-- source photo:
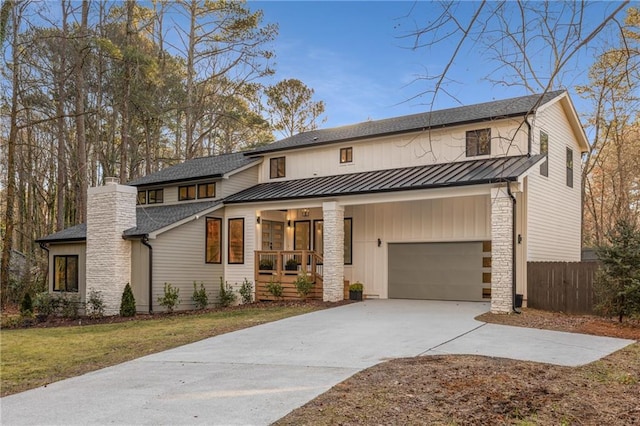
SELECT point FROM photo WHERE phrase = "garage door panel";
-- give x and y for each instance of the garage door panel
(443, 271)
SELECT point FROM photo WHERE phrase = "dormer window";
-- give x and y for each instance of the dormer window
(277, 167)
(478, 142)
(207, 190)
(155, 196)
(187, 192)
(346, 155)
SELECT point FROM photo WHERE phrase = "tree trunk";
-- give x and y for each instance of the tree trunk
(81, 196)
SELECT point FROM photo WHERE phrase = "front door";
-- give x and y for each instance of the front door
(272, 235)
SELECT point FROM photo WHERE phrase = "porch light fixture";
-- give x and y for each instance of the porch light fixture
(258, 220)
(289, 223)
(304, 212)
(379, 242)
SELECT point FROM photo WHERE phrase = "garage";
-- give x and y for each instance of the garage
(437, 271)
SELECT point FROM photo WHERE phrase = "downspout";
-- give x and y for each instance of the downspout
(145, 241)
(529, 139)
(513, 248)
(44, 247)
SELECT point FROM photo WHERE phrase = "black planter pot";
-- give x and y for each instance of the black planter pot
(355, 295)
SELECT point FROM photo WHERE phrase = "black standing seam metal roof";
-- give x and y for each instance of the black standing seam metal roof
(513, 107)
(474, 172)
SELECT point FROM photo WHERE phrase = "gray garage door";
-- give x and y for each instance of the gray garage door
(438, 271)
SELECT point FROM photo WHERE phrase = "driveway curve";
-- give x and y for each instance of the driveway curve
(257, 375)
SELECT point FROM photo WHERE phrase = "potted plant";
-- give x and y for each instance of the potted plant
(355, 291)
(291, 265)
(266, 265)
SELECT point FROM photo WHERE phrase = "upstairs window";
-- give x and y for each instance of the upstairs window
(206, 190)
(277, 167)
(187, 192)
(142, 197)
(155, 196)
(65, 273)
(346, 155)
(569, 167)
(544, 149)
(478, 142)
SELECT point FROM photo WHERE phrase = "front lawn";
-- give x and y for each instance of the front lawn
(34, 357)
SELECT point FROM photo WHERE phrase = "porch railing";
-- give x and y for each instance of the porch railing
(272, 266)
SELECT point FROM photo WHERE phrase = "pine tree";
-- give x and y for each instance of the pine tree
(617, 282)
(128, 304)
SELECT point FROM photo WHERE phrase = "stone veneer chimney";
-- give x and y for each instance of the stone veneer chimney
(111, 209)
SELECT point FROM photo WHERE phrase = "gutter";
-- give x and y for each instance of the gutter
(145, 240)
(529, 139)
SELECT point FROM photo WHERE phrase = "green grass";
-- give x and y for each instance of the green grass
(30, 358)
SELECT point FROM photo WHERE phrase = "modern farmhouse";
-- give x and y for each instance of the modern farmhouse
(446, 205)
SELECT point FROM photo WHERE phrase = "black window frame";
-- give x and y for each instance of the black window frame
(544, 149)
(569, 165)
(66, 258)
(346, 155)
(348, 261)
(277, 167)
(157, 198)
(187, 189)
(473, 141)
(230, 234)
(206, 186)
(218, 221)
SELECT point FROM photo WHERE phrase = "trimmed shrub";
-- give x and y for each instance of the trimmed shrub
(128, 303)
(95, 304)
(227, 296)
(200, 297)
(303, 284)
(246, 291)
(275, 288)
(171, 297)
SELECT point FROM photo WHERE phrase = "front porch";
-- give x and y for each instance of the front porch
(283, 267)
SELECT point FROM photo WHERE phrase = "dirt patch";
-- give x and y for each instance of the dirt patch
(473, 390)
(586, 324)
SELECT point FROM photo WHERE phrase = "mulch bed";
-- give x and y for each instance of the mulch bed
(475, 390)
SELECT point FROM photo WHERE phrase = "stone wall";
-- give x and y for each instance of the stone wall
(501, 251)
(333, 279)
(111, 209)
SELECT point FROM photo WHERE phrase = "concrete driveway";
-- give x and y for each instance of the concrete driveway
(256, 376)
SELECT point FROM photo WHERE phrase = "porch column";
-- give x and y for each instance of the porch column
(501, 251)
(333, 271)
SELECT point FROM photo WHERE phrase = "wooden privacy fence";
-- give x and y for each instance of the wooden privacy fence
(561, 286)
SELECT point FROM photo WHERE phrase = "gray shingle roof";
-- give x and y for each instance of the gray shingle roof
(148, 218)
(473, 172)
(153, 218)
(454, 116)
(197, 168)
(75, 233)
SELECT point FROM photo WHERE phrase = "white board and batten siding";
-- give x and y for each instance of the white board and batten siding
(437, 220)
(408, 150)
(236, 273)
(553, 208)
(179, 259)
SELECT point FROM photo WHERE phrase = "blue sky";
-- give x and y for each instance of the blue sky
(354, 56)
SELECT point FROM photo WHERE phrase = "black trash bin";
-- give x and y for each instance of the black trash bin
(519, 300)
